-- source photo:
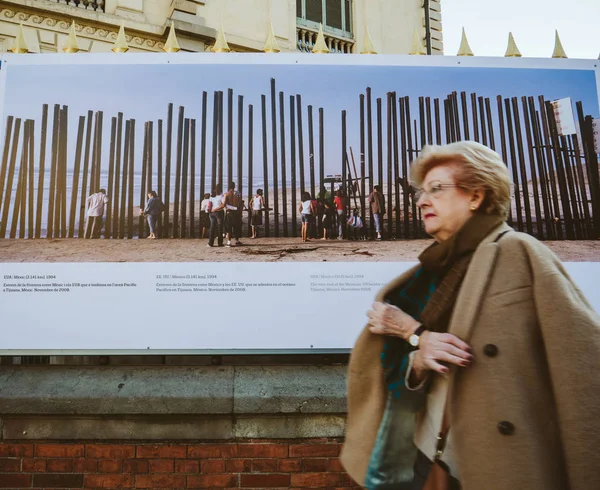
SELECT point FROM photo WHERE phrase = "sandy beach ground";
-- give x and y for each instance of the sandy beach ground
(258, 250)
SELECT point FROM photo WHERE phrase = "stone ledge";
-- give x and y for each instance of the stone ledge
(164, 390)
(174, 427)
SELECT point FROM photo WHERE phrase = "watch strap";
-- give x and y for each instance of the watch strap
(420, 329)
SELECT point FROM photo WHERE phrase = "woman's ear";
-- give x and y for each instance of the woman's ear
(477, 198)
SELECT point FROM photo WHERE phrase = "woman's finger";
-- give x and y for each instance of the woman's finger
(454, 340)
(446, 357)
(435, 366)
(455, 351)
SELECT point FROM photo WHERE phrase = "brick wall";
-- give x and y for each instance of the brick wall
(294, 464)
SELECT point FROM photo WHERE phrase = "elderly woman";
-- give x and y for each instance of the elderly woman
(487, 340)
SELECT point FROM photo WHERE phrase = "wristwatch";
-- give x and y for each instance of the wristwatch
(415, 338)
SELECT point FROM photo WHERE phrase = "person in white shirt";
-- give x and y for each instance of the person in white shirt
(216, 206)
(95, 210)
(355, 225)
(204, 212)
(257, 204)
(307, 213)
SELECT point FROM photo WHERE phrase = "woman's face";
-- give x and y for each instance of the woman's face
(444, 206)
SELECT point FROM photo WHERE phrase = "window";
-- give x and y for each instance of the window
(335, 15)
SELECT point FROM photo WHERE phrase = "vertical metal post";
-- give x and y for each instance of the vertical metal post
(275, 161)
(131, 177)
(265, 162)
(192, 228)
(115, 195)
(283, 163)
(293, 166)
(300, 144)
(184, 177)
(168, 155)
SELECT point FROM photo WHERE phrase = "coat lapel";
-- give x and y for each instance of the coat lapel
(475, 285)
(396, 283)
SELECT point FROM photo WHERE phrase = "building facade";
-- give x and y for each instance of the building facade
(263, 421)
(246, 24)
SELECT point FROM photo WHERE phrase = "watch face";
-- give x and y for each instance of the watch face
(413, 340)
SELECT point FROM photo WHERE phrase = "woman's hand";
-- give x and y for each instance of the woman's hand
(386, 319)
(436, 348)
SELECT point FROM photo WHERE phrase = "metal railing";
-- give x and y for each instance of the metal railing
(96, 5)
(306, 39)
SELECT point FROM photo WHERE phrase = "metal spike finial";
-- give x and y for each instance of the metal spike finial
(512, 51)
(72, 45)
(559, 51)
(271, 45)
(120, 45)
(320, 46)
(417, 45)
(465, 49)
(20, 46)
(221, 45)
(172, 45)
(368, 47)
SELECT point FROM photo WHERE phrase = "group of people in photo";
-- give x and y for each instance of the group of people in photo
(322, 217)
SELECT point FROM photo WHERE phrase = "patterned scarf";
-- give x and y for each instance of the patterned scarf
(430, 294)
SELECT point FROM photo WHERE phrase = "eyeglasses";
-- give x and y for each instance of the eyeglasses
(434, 191)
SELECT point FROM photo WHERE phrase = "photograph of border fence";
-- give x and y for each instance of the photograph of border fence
(181, 129)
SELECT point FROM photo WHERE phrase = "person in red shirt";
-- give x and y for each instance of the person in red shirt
(340, 206)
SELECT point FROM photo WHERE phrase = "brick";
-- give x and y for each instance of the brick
(136, 466)
(160, 481)
(335, 465)
(290, 465)
(16, 450)
(15, 481)
(57, 481)
(84, 465)
(314, 450)
(212, 451)
(215, 481)
(109, 481)
(62, 465)
(263, 450)
(161, 465)
(110, 466)
(34, 465)
(212, 466)
(59, 465)
(315, 464)
(320, 480)
(10, 465)
(264, 465)
(238, 465)
(187, 466)
(265, 481)
(59, 450)
(110, 451)
(161, 451)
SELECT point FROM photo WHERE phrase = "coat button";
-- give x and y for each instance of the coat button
(506, 428)
(490, 350)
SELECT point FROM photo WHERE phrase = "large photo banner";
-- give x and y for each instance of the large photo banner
(110, 166)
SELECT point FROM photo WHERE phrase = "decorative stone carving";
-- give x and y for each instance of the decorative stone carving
(90, 32)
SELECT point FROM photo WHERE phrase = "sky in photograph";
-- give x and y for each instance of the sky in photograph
(143, 91)
(532, 23)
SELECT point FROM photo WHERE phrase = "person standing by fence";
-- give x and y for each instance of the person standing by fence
(340, 206)
(377, 202)
(95, 211)
(152, 211)
(216, 205)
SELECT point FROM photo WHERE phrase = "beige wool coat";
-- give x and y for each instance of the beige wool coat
(536, 342)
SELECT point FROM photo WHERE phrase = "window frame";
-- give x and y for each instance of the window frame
(339, 33)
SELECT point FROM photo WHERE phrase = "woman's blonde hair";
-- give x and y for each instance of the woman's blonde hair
(478, 167)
